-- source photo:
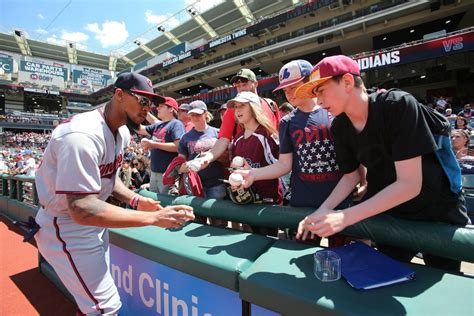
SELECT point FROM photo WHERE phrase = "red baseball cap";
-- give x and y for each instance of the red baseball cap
(171, 102)
(326, 69)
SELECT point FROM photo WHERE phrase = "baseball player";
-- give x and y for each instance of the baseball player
(77, 175)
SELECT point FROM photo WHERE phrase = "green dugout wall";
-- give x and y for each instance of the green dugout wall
(208, 270)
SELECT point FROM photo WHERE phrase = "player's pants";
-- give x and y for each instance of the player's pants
(80, 256)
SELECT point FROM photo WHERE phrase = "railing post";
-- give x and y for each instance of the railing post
(19, 190)
(35, 195)
(4, 186)
(13, 188)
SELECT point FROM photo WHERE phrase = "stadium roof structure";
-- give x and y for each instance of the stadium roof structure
(219, 20)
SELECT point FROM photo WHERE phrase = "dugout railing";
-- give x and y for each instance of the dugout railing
(259, 275)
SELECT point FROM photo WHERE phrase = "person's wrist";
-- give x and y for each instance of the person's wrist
(134, 201)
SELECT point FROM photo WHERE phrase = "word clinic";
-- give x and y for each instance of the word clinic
(161, 298)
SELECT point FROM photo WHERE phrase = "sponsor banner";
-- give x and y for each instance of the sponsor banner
(228, 38)
(176, 59)
(42, 74)
(150, 288)
(91, 77)
(6, 64)
(425, 50)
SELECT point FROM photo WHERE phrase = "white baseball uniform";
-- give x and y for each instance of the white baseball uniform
(81, 158)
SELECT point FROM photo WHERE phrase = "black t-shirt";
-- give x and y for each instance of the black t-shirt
(396, 130)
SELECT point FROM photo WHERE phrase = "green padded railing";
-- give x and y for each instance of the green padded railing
(443, 239)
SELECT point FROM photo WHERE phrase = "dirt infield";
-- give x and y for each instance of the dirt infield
(24, 290)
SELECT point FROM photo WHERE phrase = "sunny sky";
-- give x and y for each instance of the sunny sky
(99, 26)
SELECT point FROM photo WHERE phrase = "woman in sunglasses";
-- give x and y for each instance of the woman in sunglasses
(140, 174)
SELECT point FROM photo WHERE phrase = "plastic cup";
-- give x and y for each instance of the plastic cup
(327, 265)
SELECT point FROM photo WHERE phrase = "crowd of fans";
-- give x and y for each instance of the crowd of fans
(178, 152)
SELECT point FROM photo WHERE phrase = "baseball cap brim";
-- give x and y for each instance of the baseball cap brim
(197, 111)
(235, 78)
(155, 98)
(306, 91)
(288, 83)
(230, 104)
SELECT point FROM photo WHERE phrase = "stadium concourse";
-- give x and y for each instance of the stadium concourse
(422, 47)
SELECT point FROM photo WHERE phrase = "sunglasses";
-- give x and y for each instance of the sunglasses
(143, 101)
(241, 80)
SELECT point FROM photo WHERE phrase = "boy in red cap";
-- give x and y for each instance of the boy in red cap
(165, 135)
(389, 133)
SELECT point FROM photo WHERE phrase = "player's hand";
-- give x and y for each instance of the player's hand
(323, 222)
(148, 205)
(145, 186)
(174, 216)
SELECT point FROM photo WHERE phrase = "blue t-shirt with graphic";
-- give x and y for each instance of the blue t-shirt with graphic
(315, 172)
(164, 132)
(193, 143)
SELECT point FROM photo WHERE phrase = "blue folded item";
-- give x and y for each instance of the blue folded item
(365, 268)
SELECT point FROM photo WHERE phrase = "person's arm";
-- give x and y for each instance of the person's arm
(273, 171)
(217, 150)
(170, 147)
(326, 221)
(91, 211)
(150, 118)
(141, 130)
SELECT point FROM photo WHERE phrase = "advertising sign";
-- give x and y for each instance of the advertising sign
(91, 77)
(6, 64)
(424, 50)
(150, 288)
(42, 74)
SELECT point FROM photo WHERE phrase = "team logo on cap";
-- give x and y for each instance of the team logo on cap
(240, 72)
(285, 75)
(315, 75)
(148, 82)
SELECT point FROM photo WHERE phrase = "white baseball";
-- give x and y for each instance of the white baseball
(194, 165)
(238, 162)
(236, 179)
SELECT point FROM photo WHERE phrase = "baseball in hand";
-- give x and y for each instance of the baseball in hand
(236, 179)
(238, 162)
(194, 165)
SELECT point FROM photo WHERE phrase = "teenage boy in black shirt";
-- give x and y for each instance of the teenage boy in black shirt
(389, 136)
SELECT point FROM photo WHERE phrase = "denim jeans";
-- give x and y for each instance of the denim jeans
(156, 183)
(215, 192)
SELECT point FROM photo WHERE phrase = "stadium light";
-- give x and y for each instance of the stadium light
(72, 53)
(244, 10)
(202, 23)
(22, 42)
(169, 35)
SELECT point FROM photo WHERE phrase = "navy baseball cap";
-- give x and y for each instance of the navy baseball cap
(138, 84)
(184, 107)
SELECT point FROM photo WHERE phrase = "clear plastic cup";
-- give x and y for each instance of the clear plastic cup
(327, 265)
